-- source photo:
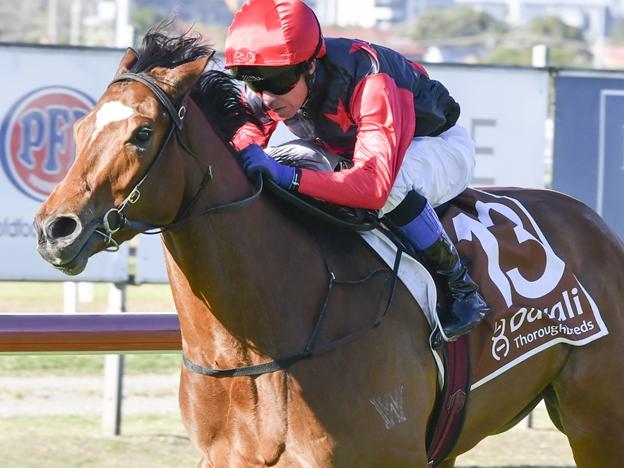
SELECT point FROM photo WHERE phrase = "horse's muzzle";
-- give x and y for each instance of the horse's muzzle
(63, 241)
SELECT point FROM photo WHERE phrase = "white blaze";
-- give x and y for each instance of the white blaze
(110, 112)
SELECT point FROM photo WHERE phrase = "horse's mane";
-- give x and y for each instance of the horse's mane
(160, 49)
(219, 97)
(216, 93)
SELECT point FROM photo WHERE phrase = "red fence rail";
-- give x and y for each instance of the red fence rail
(87, 333)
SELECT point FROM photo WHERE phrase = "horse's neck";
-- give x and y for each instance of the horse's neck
(234, 274)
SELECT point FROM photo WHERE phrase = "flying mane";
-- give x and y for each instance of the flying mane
(216, 93)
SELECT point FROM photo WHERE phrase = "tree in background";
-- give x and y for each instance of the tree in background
(479, 36)
(566, 44)
(192, 11)
(142, 18)
(454, 23)
(551, 27)
(456, 34)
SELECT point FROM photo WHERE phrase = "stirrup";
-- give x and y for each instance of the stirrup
(436, 340)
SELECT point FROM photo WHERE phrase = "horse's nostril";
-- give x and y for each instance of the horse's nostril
(61, 227)
(38, 230)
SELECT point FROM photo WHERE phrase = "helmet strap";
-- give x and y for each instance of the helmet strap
(308, 74)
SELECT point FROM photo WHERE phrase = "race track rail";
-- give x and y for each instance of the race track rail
(89, 333)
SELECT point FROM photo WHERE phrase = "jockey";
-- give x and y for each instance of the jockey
(374, 132)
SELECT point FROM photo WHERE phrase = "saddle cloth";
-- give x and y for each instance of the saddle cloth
(536, 300)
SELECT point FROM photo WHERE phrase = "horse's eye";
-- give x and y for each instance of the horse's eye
(143, 135)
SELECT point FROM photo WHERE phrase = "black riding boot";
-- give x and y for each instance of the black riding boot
(468, 307)
(419, 223)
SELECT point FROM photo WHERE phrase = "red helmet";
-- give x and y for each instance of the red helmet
(273, 33)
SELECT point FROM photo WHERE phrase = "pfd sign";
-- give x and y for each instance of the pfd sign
(36, 138)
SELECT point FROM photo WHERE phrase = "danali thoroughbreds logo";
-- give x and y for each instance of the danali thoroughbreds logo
(36, 138)
(536, 299)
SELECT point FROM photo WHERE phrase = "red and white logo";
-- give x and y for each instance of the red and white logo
(36, 138)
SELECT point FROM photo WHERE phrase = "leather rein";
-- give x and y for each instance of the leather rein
(115, 219)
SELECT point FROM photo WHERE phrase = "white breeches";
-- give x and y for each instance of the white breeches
(439, 168)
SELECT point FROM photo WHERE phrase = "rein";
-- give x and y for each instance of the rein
(115, 219)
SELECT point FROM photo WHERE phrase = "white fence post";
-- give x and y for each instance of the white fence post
(114, 369)
(70, 297)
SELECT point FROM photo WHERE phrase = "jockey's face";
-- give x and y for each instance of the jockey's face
(284, 92)
(286, 105)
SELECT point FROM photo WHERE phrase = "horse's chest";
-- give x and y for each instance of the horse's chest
(236, 419)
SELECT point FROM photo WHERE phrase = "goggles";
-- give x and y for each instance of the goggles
(275, 80)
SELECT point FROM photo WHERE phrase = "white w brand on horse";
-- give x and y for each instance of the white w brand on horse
(300, 346)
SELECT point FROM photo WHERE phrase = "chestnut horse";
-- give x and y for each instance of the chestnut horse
(249, 282)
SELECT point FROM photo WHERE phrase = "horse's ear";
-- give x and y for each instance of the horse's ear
(180, 79)
(129, 59)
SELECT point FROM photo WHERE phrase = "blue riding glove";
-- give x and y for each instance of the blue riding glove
(256, 161)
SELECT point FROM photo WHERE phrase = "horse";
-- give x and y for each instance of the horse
(250, 280)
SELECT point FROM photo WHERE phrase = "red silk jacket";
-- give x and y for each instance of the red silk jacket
(366, 103)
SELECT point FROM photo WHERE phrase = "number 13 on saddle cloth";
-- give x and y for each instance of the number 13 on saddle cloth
(537, 301)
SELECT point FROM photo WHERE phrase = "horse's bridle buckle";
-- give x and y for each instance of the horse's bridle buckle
(111, 226)
(133, 197)
(116, 224)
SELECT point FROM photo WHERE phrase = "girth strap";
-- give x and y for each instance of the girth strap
(259, 369)
(311, 348)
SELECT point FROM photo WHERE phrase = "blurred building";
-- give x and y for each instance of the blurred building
(18, 17)
(372, 13)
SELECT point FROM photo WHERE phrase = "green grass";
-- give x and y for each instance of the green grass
(75, 441)
(26, 292)
(59, 365)
(48, 297)
(154, 441)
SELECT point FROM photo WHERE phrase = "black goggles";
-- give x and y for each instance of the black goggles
(280, 83)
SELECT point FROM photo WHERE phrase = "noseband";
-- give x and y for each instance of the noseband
(115, 219)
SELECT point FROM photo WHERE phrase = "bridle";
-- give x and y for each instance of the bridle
(115, 219)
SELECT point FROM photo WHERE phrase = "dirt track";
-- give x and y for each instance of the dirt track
(521, 447)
